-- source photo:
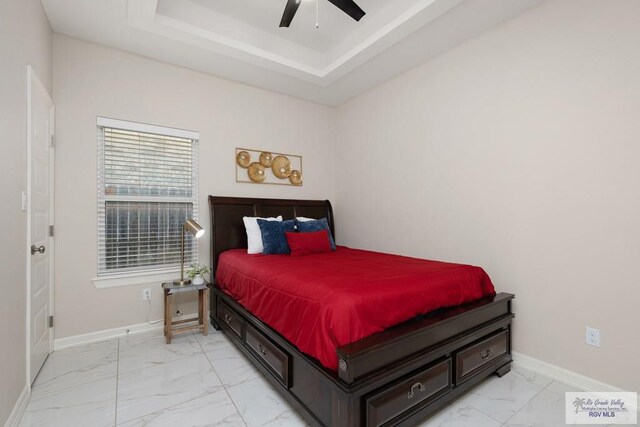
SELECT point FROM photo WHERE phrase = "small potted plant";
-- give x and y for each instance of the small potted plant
(196, 273)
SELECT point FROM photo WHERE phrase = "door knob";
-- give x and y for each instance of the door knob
(35, 249)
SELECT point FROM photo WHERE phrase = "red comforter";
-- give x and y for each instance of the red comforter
(323, 301)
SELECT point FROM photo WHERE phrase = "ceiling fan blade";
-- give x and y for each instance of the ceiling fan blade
(289, 12)
(350, 8)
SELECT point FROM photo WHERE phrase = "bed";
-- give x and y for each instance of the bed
(405, 364)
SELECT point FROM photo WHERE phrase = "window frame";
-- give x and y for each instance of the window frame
(147, 274)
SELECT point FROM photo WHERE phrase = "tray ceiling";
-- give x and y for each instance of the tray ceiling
(241, 40)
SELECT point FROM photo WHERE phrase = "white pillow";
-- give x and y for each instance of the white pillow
(303, 219)
(254, 235)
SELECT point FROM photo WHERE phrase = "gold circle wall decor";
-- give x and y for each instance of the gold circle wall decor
(266, 159)
(295, 178)
(243, 159)
(256, 172)
(281, 167)
(268, 167)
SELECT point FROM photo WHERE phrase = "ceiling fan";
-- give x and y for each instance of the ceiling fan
(347, 6)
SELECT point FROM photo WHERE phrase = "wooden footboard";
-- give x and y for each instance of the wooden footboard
(396, 377)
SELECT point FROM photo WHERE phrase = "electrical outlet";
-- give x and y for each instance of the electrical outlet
(146, 294)
(592, 336)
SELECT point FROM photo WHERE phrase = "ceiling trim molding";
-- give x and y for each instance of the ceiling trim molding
(143, 15)
(327, 67)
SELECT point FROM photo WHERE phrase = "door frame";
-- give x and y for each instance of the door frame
(32, 78)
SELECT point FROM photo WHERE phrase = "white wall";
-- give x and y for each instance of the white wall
(90, 81)
(25, 38)
(517, 151)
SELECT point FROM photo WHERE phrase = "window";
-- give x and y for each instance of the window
(147, 189)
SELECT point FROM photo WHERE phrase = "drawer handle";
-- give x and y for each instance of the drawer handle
(228, 319)
(418, 386)
(261, 350)
(485, 354)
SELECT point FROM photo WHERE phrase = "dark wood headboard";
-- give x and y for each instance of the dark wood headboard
(227, 227)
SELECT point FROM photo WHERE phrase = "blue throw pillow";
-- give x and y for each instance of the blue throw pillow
(316, 225)
(273, 238)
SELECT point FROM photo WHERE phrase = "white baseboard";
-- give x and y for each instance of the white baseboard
(565, 376)
(18, 409)
(107, 334)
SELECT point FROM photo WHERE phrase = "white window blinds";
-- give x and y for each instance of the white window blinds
(147, 189)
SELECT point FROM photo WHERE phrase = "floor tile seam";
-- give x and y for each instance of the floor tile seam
(224, 387)
(484, 413)
(525, 404)
(115, 415)
(262, 377)
(185, 401)
(181, 358)
(214, 368)
(217, 387)
(164, 408)
(73, 386)
(61, 360)
(37, 385)
(552, 391)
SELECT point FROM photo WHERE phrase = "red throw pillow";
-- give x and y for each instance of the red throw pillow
(308, 243)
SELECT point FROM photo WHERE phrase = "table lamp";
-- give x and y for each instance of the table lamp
(192, 227)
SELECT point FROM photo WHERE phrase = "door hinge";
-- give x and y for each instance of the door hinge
(53, 140)
(51, 231)
(51, 321)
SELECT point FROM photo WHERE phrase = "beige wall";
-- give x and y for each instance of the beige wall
(517, 151)
(90, 81)
(25, 38)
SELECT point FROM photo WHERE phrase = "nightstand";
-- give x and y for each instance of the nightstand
(175, 327)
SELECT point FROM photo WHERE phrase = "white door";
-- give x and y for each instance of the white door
(39, 203)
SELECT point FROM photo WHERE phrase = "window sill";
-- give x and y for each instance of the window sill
(135, 279)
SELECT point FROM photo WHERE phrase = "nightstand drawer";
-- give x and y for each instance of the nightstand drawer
(275, 358)
(475, 357)
(230, 318)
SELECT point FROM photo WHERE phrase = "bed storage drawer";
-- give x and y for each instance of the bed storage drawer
(276, 359)
(230, 318)
(478, 355)
(390, 405)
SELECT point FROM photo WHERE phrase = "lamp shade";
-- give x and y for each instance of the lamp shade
(194, 228)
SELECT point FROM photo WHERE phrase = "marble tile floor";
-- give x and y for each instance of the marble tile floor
(138, 380)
